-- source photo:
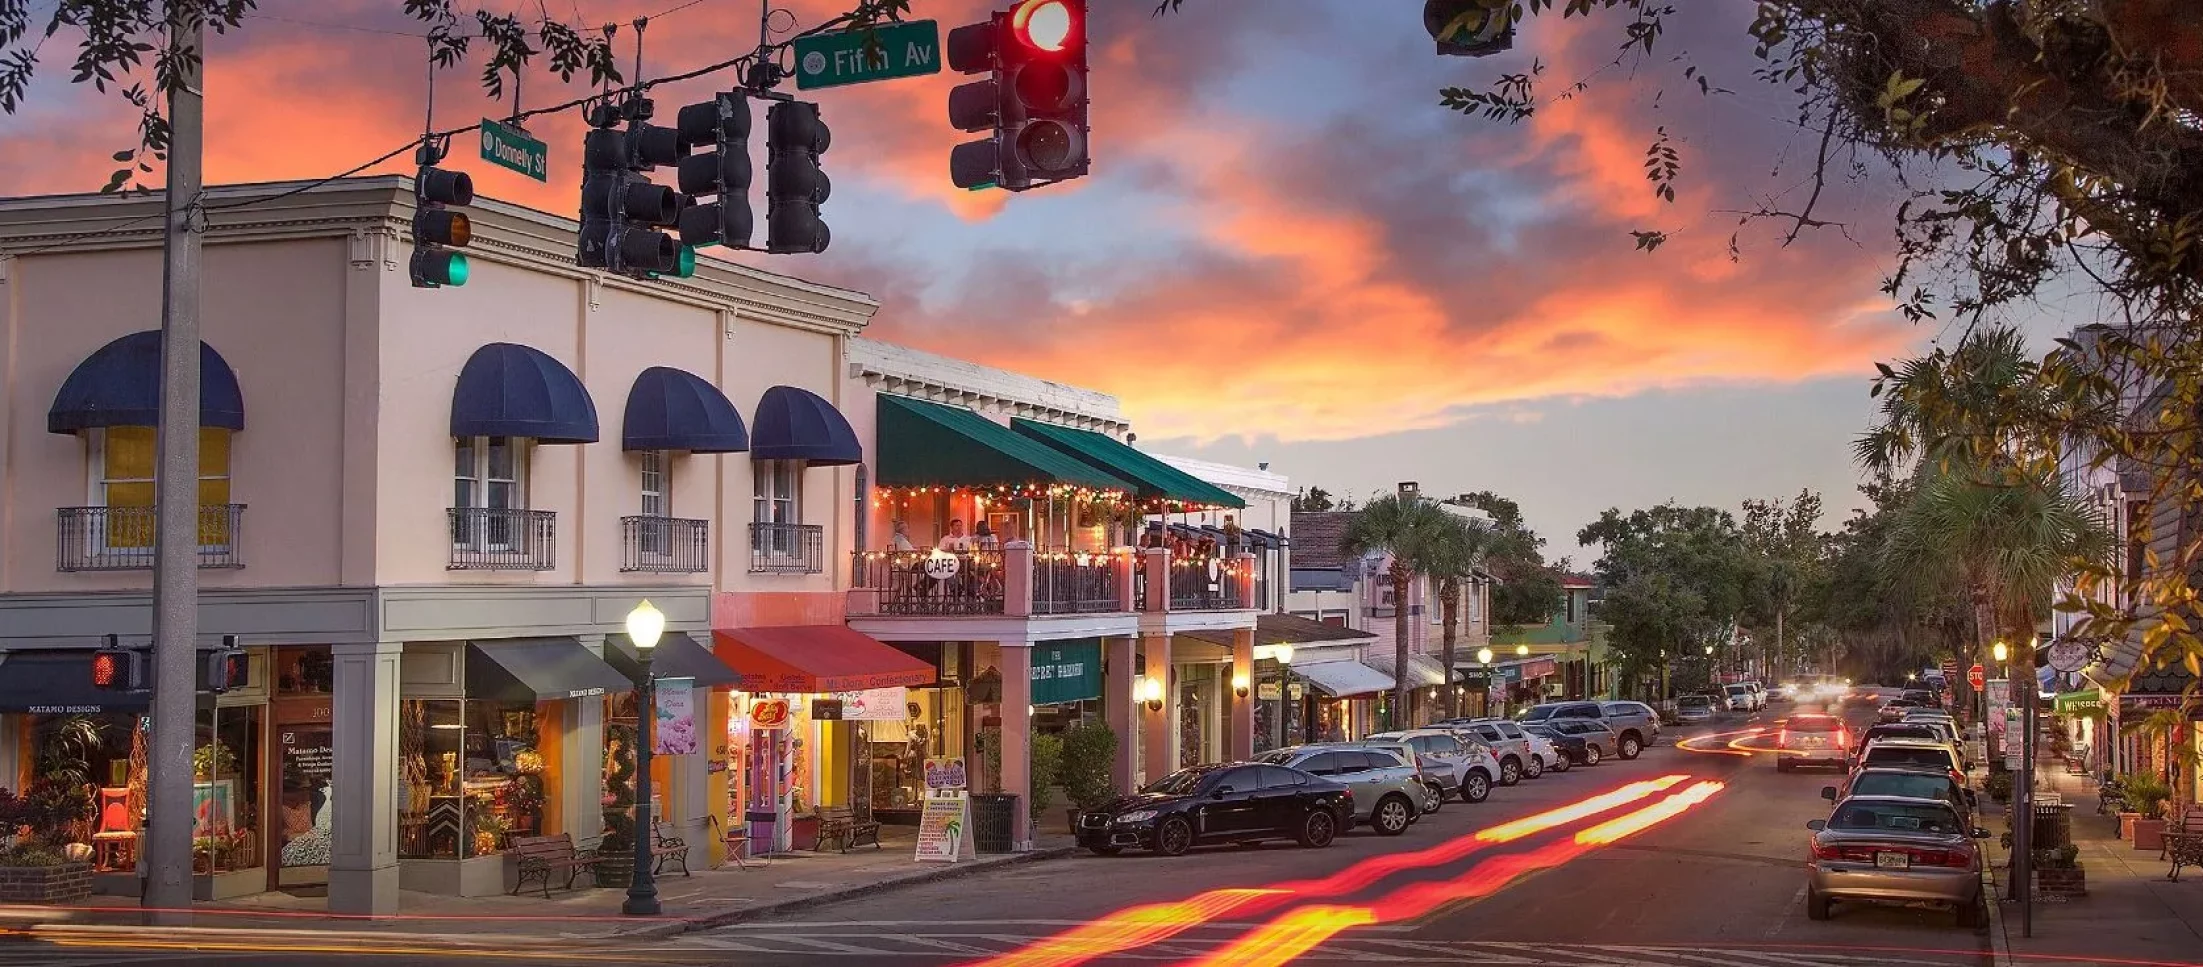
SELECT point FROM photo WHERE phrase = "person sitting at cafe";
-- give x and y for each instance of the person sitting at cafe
(955, 540)
(900, 541)
(986, 538)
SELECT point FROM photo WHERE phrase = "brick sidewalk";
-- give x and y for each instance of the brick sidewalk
(706, 898)
(2131, 912)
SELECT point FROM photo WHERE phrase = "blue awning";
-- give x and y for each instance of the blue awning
(120, 385)
(674, 409)
(796, 424)
(513, 390)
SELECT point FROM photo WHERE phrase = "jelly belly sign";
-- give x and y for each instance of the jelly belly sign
(769, 713)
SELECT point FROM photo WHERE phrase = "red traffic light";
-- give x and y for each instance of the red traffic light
(106, 670)
(1044, 25)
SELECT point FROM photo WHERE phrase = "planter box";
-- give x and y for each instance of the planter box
(2126, 825)
(67, 883)
(2073, 882)
(2149, 835)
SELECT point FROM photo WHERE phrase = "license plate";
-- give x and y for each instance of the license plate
(1893, 861)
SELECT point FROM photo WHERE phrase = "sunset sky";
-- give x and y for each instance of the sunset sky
(1288, 251)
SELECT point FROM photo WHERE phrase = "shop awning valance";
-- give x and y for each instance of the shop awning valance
(797, 424)
(1343, 679)
(1422, 670)
(538, 670)
(674, 409)
(58, 682)
(507, 389)
(119, 384)
(930, 445)
(1155, 480)
(815, 659)
(676, 656)
(1283, 629)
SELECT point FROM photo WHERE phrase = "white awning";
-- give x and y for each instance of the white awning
(1343, 679)
(1423, 671)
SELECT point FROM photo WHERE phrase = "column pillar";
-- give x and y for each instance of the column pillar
(1157, 560)
(1242, 718)
(1125, 563)
(1118, 706)
(1017, 732)
(1017, 581)
(363, 717)
(1159, 735)
(581, 750)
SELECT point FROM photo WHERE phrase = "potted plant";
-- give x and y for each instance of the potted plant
(993, 812)
(2058, 872)
(35, 865)
(1089, 752)
(1999, 786)
(2147, 794)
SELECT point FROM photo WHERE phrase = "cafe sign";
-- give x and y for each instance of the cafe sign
(1066, 671)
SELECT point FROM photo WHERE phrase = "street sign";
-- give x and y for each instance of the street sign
(2068, 655)
(1976, 676)
(509, 147)
(909, 49)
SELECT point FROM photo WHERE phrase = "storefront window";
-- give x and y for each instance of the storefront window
(473, 775)
(305, 790)
(898, 750)
(1199, 714)
(105, 755)
(226, 767)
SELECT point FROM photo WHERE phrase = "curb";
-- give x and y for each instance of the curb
(2000, 944)
(664, 930)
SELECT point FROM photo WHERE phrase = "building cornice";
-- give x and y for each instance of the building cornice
(376, 213)
(902, 371)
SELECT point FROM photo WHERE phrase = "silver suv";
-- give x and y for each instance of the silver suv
(1630, 733)
(1457, 767)
(1518, 759)
(1388, 792)
(1628, 716)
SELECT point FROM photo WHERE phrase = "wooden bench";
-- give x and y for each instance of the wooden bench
(667, 849)
(542, 857)
(840, 824)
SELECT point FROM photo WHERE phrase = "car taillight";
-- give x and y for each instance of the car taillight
(1782, 739)
(1843, 738)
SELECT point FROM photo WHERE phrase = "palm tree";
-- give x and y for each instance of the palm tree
(1456, 552)
(1403, 527)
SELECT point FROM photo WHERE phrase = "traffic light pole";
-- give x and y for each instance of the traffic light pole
(167, 856)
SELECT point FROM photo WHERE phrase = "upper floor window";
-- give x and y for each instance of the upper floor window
(124, 460)
(657, 484)
(777, 494)
(487, 473)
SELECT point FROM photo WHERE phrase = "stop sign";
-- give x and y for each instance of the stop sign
(1976, 678)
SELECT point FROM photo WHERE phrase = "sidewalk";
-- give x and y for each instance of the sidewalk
(707, 898)
(2131, 912)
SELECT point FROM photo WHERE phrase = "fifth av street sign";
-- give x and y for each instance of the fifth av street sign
(907, 49)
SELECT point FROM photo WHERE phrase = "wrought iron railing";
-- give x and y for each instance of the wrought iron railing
(665, 545)
(932, 582)
(1074, 584)
(787, 548)
(485, 539)
(1139, 581)
(121, 538)
(1204, 584)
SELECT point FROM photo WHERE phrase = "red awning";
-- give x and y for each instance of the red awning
(814, 659)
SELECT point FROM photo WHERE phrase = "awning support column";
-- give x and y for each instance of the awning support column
(1118, 710)
(1017, 743)
(363, 720)
(1160, 738)
(1242, 723)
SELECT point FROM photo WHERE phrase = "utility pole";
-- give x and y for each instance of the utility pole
(167, 861)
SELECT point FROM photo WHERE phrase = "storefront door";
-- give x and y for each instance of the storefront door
(301, 771)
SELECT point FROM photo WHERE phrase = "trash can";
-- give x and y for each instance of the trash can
(2053, 827)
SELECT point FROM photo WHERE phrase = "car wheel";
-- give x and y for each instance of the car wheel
(1174, 837)
(1392, 815)
(1969, 913)
(1781, 764)
(1562, 763)
(1535, 769)
(1106, 850)
(1816, 905)
(1631, 745)
(1590, 755)
(1318, 829)
(1476, 787)
(1510, 771)
(1435, 798)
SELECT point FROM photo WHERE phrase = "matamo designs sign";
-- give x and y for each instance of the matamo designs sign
(1067, 671)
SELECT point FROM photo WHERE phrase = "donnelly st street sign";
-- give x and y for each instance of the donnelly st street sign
(908, 49)
(509, 147)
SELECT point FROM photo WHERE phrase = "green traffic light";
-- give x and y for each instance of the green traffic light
(684, 265)
(455, 271)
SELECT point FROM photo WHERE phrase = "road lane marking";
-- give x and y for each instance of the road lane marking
(1790, 911)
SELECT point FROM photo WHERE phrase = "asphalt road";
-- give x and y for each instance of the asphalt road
(1694, 859)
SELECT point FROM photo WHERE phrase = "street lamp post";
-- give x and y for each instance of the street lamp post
(1484, 658)
(644, 625)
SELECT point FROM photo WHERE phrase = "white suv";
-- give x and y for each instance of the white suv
(1469, 769)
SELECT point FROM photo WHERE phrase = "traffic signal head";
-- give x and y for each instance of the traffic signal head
(436, 228)
(1034, 101)
(724, 124)
(227, 667)
(1469, 28)
(119, 669)
(795, 185)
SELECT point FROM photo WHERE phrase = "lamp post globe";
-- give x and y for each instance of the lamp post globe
(2001, 652)
(645, 625)
(1522, 651)
(1484, 656)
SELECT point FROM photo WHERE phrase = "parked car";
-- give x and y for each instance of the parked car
(1907, 783)
(1921, 697)
(1630, 738)
(1446, 761)
(1599, 740)
(1738, 698)
(1633, 717)
(1890, 849)
(1894, 710)
(1388, 789)
(1944, 727)
(1568, 748)
(1912, 754)
(1231, 802)
(1544, 753)
(1509, 744)
(1694, 709)
(1812, 738)
(1891, 730)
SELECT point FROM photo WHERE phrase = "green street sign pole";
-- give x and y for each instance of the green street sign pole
(911, 49)
(509, 147)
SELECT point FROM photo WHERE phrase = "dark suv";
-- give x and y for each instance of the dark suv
(1629, 736)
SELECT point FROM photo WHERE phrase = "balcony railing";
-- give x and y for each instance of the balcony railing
(485, 539)
(665, 545)
(932, 583)
(787, 548)
(1204, 584)
(121, 538)
(1074, 584)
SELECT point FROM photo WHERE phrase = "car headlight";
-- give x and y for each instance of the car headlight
(1137, 816)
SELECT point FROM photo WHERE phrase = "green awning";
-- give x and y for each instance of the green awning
(925, 444)
(1157, 480)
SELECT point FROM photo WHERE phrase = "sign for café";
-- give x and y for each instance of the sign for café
(874, 705)
(1066, 671)
(945, 772)
(941, 825)
(769, 713)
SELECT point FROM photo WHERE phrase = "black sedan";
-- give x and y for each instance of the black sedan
(1583, 741)
(1236, 802)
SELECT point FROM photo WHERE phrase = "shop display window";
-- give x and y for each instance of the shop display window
(93, 765)
(226, 766)
(474, 778)
(897, 751)
(304, 747)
